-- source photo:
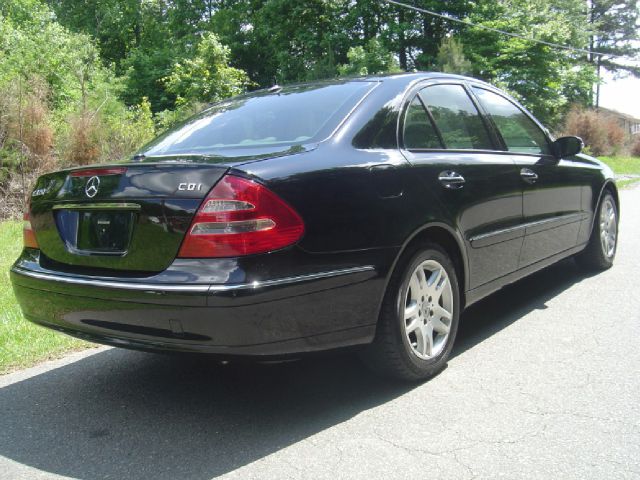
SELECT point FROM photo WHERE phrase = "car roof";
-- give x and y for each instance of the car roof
(411, 77)
(400, 79)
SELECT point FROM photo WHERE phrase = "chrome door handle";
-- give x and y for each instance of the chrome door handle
(529, 175)
(450, 179)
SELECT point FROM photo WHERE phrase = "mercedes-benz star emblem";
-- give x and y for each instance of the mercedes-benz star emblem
(91, 188)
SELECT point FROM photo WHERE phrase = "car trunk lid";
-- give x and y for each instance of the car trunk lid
(119, 218)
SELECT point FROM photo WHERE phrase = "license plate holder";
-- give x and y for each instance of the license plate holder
(105, 232)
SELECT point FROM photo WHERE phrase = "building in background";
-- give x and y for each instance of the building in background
(629, 123)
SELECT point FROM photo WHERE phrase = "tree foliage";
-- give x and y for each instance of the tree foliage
(546, 79)
(281, 41)
(451, 58)
(614, 30)
(59, 103)
(206, 76)
(371, 59)
(101, 60)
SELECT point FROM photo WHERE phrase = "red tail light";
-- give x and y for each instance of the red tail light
(241, 217)
(28, 237)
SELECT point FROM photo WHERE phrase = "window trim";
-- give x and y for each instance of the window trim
(522, 110)
(430, 118)
(415, 90)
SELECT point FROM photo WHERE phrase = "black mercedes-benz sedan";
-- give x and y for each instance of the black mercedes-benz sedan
(364, 212)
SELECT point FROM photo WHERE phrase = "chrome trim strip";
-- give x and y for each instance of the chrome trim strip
(193, 288)
(498, 232)
(97, 206)
(288, 280)
(577, 216)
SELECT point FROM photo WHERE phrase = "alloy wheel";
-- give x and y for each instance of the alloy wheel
(428, 309)
(608, 227)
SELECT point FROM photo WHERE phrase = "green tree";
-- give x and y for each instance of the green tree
(371, 59)
(546, 79)
(280, 41)
(207, 76)
(58, 98)
(116, 25)
(614, 30)
(451, 57)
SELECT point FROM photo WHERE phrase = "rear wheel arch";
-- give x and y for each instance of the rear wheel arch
(393, 350)
(446, 237)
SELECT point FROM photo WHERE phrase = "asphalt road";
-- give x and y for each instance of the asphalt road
(544, 384)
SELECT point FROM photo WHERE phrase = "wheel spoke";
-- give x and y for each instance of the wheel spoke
(424, 283)
(441, 320)
(439, 288)
(605, 241)
(434, 279)
(414, 285)
(425, 340)
(411, 310)
(414, 325)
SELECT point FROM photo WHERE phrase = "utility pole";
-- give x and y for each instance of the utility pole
(598, 67)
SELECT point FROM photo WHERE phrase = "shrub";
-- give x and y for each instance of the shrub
(600, 132)
(124, 130)
(635, 146)
(37, 131)
(83, 146)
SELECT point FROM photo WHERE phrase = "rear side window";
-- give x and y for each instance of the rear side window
(519, 132)
(418, 129)
(456, 117)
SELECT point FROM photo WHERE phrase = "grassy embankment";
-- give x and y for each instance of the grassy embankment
(22, 343)
(628, 168)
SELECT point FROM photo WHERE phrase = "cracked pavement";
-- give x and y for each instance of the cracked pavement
(544, 383)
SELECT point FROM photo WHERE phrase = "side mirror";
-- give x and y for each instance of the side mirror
(567, 146)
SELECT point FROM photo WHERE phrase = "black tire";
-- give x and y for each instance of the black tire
(594, 257)
(391, 354)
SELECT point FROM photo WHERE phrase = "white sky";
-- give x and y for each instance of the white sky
(621, 94)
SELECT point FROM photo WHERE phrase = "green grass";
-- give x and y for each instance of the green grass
(624, 166)
(22, 343)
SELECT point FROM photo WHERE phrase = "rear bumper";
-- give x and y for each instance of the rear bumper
(275, 316)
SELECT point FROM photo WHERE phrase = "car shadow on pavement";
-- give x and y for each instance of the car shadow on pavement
(123, 414)
(496, 312)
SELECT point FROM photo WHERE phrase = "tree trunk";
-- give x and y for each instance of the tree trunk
(402, 44)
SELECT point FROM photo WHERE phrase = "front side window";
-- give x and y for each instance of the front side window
(519, 132)
(418, 129)
(456, 117)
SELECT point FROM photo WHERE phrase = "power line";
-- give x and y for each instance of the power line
(503, 32)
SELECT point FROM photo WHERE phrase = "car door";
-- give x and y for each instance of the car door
(452, 150)
(551, 188)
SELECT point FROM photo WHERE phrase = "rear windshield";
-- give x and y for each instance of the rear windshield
(293, 115)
